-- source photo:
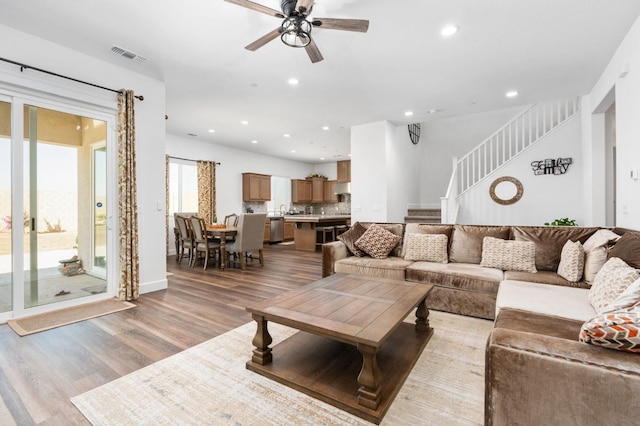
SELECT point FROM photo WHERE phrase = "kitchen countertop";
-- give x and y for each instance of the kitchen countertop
(317, 217)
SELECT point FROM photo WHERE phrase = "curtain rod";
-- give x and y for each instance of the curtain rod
(189, 159)
(26, 67)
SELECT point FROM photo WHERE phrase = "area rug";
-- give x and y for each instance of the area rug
(60, 317)
(209, 384)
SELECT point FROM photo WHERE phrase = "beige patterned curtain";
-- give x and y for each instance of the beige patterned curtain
(127, 201)
(167, 206)
(207, 190)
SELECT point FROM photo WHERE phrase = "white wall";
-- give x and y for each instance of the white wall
(150, 127)
(545, 197)
(454, 137)
(627, 99)
(385, 172)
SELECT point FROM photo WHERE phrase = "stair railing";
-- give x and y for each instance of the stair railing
(449, 203)
(513, 138)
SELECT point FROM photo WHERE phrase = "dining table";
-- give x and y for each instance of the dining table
(223, 233)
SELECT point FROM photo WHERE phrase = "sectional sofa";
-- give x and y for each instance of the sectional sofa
(537, 369)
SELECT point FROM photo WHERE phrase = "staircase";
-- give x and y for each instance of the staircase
(423, 216)
(508, 142)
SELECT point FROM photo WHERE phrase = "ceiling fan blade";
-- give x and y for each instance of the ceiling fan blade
(358, 25)
(257, 7)
(303, 6)
(264, 40)
(313, 52)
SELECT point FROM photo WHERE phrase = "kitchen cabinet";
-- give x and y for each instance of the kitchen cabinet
(317, 190)
(289, 229)
(256, 187)
(267, 231)
(300, 191)
(330, 195)
(344, 171)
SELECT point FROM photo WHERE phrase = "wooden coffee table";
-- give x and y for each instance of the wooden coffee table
(355, 351)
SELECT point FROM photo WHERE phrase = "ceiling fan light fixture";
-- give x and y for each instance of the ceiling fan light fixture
(296, 31)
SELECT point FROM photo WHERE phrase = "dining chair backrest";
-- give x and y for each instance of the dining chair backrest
(231, 219)
(250, 232)
(183, 228)
(198, 229)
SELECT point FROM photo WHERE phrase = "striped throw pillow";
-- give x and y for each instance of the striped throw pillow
(508, 255)
(571, 264)
(426, 247)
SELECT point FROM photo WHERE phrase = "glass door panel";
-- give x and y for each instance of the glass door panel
(6, 222)
(60, 194)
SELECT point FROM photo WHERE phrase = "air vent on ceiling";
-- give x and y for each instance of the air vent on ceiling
(128, 54)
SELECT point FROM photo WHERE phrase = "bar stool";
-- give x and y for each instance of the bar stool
(341, 229)
(325, 231)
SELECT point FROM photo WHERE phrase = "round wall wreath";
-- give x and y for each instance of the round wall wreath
(506, 201)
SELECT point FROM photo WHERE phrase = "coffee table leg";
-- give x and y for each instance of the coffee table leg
(262, 340)
(370, 391)
(422, 316)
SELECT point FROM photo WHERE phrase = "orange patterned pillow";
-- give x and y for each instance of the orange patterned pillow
(618, 330)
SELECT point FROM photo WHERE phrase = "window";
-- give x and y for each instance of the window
(183, 187)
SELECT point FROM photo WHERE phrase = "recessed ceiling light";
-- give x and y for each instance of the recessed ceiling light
(254, 141)
(449, 30)
(287, 135)
(325, 128)
(434, 111)
(512, 94)
(293, 151)
(245, 122)
(322, 158)
(349, 155)
(408, 113)
(293, 81)
(211, 131)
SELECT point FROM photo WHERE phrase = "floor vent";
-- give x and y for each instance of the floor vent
(128, 54)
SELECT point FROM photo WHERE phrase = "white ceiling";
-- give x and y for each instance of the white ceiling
(545, 49)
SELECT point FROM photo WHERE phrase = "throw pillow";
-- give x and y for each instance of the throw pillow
(601, 238)
(627, 248)
(629, 297)
(508, 255)
(571, 264)
(426, 247)
(618, 330)
(593, 262)
(377, 242)
(351, 236)
(466, 241)
(614, 277)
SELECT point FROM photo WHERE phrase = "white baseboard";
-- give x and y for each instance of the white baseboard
(153, 286)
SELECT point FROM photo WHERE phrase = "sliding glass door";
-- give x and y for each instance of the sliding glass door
(55, 208)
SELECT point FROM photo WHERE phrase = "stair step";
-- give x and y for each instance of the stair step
(423, 212)
(422, 219)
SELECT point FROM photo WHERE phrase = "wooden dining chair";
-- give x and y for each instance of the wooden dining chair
(231, 219)
(185, 238)
(202, 244)
(250, 237)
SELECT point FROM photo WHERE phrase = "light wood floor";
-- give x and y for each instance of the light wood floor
(40, 372)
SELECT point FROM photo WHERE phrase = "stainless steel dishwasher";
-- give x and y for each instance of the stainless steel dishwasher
(277, 230)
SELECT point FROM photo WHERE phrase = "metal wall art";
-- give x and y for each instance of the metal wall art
(550, 166)
(414, 133)
(519, 190)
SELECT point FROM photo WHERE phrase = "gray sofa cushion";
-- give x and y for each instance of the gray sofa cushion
(543, 277)
(466, 241)
(391, 267)
(464, 276)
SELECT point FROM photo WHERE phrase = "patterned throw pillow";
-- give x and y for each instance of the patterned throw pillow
(593, 262)
(571, 264)
(426, 247)
(629, 297)
(618, 330)
(377, 242)
(508, 255)
(351, 236)
(614, 277)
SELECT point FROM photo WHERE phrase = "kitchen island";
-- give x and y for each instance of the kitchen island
(304, 234)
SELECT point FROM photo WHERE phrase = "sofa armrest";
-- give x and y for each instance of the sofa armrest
(536, 379)
(332, 252)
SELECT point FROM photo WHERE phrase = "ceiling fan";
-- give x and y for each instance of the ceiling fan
(295, 30)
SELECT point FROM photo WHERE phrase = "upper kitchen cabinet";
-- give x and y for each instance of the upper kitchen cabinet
(317, 189)
(344, 171)
(256, 187)
(330, 195)
(300, 191)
